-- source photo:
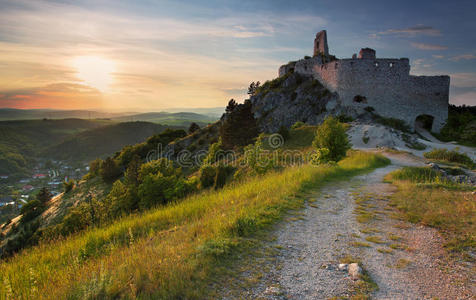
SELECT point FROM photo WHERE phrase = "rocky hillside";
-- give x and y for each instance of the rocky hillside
(291, 98)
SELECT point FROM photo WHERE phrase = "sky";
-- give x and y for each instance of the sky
(147, 55)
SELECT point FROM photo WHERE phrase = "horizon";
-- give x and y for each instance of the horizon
(125, 56)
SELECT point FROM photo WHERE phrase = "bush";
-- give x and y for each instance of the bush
(297, 125)
(156, 189)
(193, 127)
(110, 171)
(332, 135)
(284, 132)
(44, 195)
(221, 175)
(392, 122)
(207, 176)
(452, 156)
(31, 210)
(68, 186)
(416, 174)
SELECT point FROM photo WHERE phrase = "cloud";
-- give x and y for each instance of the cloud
(463, 57)
(463, 80)
(465, 98)
(409, 32)
(58, 95)
(423, 46)
(438, 56)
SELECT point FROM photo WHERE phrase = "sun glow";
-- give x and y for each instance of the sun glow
(95, 71)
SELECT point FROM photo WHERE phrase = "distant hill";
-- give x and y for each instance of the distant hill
(214, 112)
(32, 114)
(165, 118)
(103, 141)
(21, 141)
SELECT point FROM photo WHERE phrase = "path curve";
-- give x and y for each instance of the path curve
(312, 246)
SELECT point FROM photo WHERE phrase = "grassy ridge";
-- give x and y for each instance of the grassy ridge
(424, 198)
(169, 252)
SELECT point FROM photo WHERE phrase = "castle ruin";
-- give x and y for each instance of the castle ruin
(384, 84)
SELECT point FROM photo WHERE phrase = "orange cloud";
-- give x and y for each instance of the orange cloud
(57, 96)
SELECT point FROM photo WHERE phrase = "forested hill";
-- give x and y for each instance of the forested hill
(103, 141)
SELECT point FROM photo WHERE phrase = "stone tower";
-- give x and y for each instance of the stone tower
(320, 43)
(367, 53)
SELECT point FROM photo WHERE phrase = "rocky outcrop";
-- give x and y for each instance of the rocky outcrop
(292, 98)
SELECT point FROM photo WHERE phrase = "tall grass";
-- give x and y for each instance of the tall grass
(170, 252)
(451, 156)
(446, 206)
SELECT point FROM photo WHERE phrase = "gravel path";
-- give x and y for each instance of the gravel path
(312, 246)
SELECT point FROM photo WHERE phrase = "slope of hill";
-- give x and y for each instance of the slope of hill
(103, 141)
(22, 140)
(165, 118)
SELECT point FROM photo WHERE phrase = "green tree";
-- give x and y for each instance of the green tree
(239, 125)
(193, 127)
(44, 195)
(207, 176)
(331, 135)
(156, 189)
(110, 171)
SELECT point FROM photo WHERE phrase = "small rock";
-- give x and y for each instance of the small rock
(342, 267)
(355, 270)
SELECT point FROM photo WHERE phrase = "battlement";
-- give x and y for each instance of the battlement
(383, 83)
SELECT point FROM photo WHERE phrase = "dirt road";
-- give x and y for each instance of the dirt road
(405, 261)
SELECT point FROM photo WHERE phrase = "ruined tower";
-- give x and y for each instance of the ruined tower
(320, 43)
(367, 53)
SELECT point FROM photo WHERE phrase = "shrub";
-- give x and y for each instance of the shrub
(297, 125)
(392, 122)
(345, 118)
(156, 189)
(68, 186)
(193, 127)
(44, 195)
(207, 176)
(220, 177)
(331, 134)
(450, 156)
(212, 153)
(110, 171)
(416, 174)
(284, 132)
(95, 166)
(31, 210)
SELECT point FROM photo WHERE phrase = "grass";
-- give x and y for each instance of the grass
(374, 239)
(450, 156)
(402, 263)
(450, 208)
(169, 252)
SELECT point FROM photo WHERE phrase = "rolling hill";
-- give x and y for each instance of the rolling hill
(103, 141)
(165, 118)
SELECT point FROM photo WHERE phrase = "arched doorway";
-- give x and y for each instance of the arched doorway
(424, 121)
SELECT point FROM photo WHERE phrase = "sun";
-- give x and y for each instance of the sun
(95, 71)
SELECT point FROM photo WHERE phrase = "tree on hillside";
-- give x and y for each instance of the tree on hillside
(331, 139)
(253, 88)
(239, 125)
(44, 195)
(193, 127)
(110, 171)
(231, 106)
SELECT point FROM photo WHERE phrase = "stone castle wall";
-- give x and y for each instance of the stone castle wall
(384, 84)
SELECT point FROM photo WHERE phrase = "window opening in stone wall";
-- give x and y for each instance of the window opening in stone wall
(360, 99)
